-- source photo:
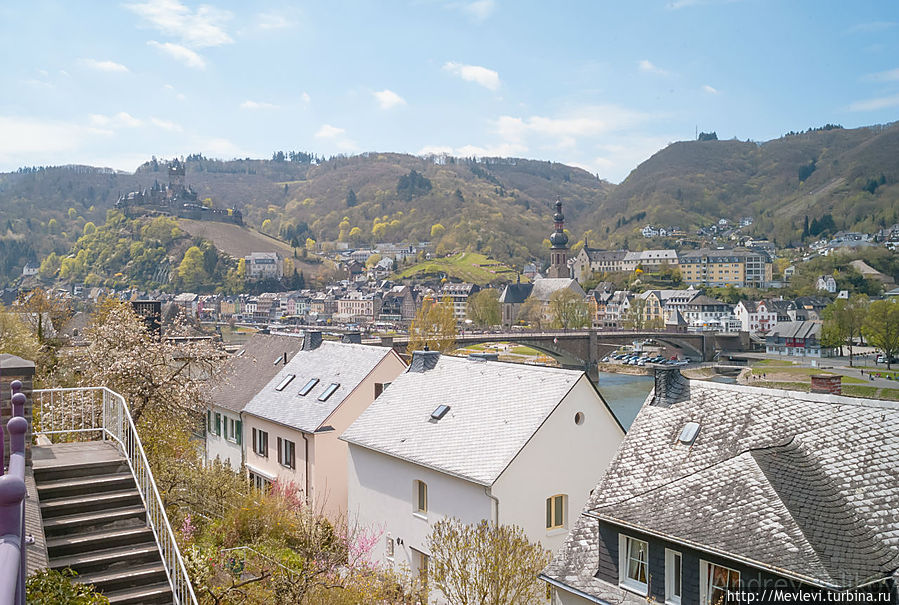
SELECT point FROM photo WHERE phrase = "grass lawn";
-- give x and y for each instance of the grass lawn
(468, 266)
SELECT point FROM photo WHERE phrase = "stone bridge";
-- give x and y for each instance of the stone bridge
(584, 348)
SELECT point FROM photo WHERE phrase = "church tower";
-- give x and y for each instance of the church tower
(558, 252)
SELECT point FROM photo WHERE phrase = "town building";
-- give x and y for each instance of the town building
(245, 373)
(705, 313)
(826, 283)
(398, 304)
(458, 293)
(357, 305)
(476, 439)
(734, 267)
(264, 265)
(756, 317)
(511, 299)
(558, 255)
(293, 423)
(723, 486)
(796, 339)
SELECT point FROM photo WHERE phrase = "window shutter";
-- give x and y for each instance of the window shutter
(218, 424)
(280, 455)
(239, 432)
(209, 420)
(255, 442)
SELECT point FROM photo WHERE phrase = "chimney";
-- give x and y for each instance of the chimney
(831, 384)
(352, 338)
(422, 361)
(312, 340)
(670, 387)
(284, 359)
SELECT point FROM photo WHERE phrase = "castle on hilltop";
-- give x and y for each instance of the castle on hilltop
(174, 198)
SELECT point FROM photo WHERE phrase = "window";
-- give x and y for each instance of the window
(260, 442)
(390, 546)
(380, 387)
(421, 496)
(209, 421)
(633, 557)
(555, 511)
(329, 391)
(672, 576)
(218, 424)
(308, 387)
(715, 581)
(286, 381)
(287, 453)
(420, 561)
(259, 482)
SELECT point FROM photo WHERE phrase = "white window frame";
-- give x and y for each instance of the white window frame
(391, 547)
(417, 510)
(670, 576)
(704, 582)
(633, 585)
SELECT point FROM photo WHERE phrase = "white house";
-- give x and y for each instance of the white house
(476, 439)
(826, 283)
(755, 316)
(245, 374)
(292, 425)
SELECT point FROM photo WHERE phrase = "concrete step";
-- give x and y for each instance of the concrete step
(108, 558)
(91, 502)
(131, 577)
(78, 468)
(128, 516)
(86, 542)
(155, 593)
(60, 488)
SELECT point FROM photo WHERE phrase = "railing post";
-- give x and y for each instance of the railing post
(17, 370)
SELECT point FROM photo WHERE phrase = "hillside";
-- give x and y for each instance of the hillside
(852, 175)
(466, 266)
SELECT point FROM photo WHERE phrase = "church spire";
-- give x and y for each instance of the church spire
(558, 256)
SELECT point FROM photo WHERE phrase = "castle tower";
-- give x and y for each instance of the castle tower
(176, 176)
(558, 252)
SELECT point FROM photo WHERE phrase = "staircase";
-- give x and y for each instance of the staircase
(95, 522)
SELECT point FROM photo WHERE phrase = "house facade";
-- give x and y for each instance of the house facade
(710, 492)
(476, 440)
(292, 425)
(734, 267)
(796, 339)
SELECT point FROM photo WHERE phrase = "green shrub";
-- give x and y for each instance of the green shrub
(52, 587)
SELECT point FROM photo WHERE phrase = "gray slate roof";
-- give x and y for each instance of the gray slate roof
(251, 368)
(332, 362)
(516, 293)
(495, 408)
(805, 485)
(547, 286)
(796, 329)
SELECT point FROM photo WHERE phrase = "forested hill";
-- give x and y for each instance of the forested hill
(849, 174)
(501, 207)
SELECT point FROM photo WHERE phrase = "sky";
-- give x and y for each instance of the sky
(598, 84)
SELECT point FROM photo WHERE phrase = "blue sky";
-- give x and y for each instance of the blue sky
(598, 84)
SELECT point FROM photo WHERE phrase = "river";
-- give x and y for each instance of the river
(625, 394)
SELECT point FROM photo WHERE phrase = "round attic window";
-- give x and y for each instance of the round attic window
(579, 418)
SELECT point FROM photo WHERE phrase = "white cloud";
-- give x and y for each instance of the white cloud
(257, 105)
(180, 53)
(709, 89)
(329, 132)
(875, 104)
(388, 99)
(891, 75)
(305, 98)
(220, 148)
(166, 124)
(31, 140)
(107, 66)
(273, 21)
(119, 120)
(474, 73)
(202, 28)
(480, 10)
(498, 150)
(436, 150)
(647, 66)
(172, 90)
(584, 122)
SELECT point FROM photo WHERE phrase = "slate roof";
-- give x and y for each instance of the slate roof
(547, 286)
(251, 368)
(495, 408)
(332, 362)
(804, 485)
(796, 329)
(516, 293)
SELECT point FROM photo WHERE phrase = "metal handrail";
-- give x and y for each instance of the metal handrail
(13, 555)
(115, 423)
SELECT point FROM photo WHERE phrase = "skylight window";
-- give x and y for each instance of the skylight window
(283, 384)
(688, 433)
(440, 412)
(278, 360)
(329, 391)
(308, 387)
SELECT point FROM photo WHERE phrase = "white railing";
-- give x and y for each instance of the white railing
(92, 413)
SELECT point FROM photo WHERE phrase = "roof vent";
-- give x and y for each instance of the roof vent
(484, 356)
(312, 341)
(422, 361)
(354, 338)
(440, 412)
(689, 433)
